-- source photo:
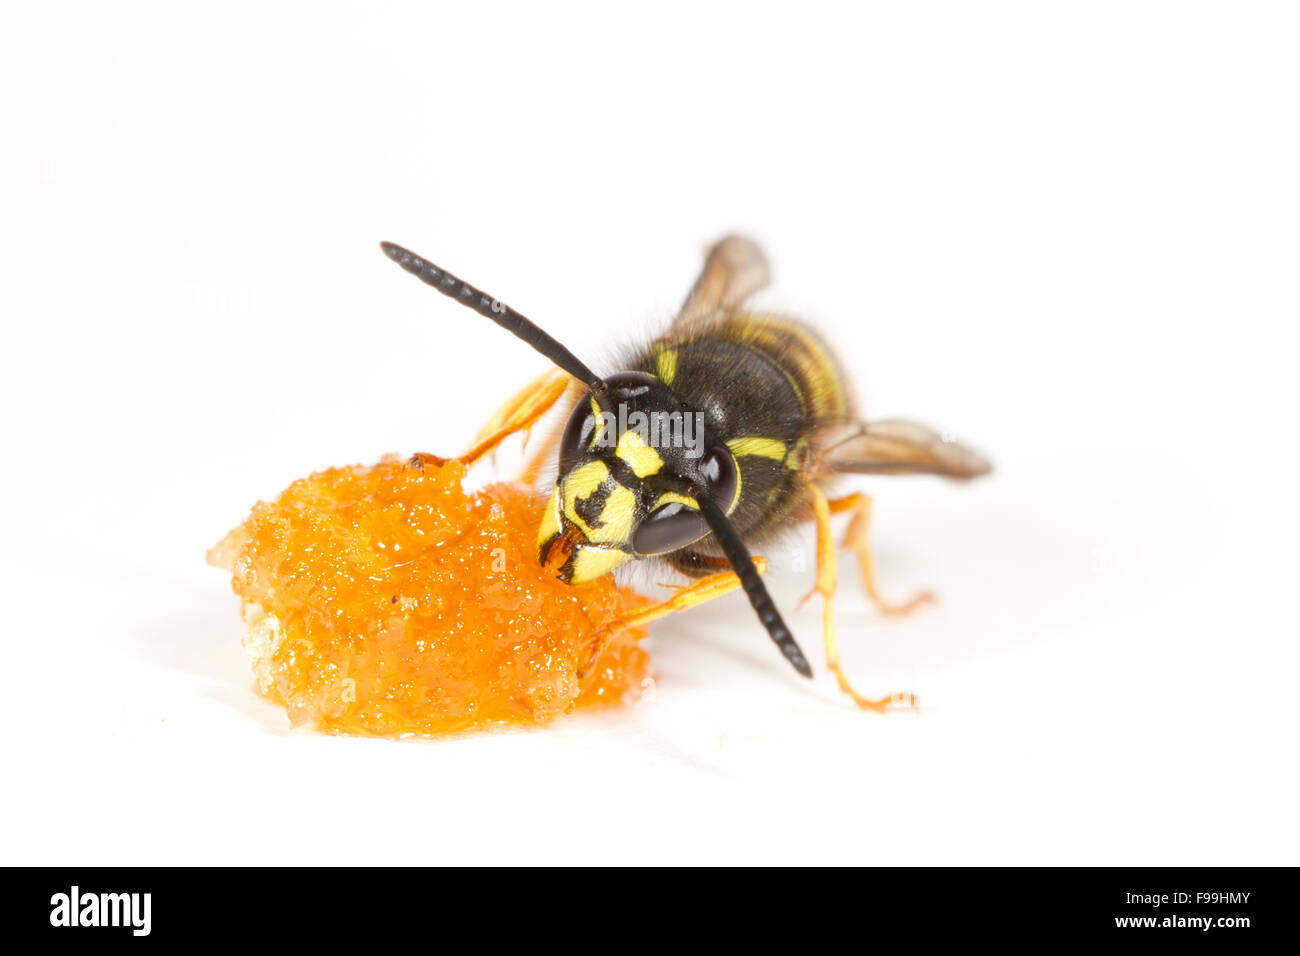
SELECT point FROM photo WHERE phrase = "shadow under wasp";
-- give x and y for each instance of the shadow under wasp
(774, 425)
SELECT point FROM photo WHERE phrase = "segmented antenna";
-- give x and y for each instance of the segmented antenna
(742, 562)
(494, 309)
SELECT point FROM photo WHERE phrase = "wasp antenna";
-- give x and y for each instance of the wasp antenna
(494, 309)
(742, 562)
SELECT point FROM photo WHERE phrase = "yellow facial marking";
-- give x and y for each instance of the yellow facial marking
(640, 457)
(667, 365)
(614, 523)
(615, 518)
(591, 563)
(580, 483)
(550, 519)
(759, 447)
(599, 433)
(671, 496)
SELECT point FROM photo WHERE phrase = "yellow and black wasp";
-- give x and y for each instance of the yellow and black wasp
(723, 433)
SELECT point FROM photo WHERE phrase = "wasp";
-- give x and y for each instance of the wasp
(716, 439)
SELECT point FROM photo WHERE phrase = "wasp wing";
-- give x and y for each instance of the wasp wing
(901, 448)
(734, 270)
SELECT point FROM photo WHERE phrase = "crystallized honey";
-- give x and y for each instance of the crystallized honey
(387, 600)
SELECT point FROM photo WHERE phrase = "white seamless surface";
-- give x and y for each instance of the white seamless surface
(1068, 235)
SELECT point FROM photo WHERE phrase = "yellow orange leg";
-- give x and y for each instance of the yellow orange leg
(825, 586)
(856, 539)
(521, 413)
(687, 596)
(545, 452)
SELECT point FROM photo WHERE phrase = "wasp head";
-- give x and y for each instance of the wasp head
(632, 458)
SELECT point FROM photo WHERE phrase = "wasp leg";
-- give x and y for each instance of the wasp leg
(521, 413)
(856, 539)
(693, 564)
(687, 596)
(825, 586)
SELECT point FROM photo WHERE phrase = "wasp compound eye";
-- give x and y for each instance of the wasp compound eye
(577, 435)
(718, 469)
(668, 528)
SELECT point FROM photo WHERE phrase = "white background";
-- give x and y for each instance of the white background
(1066, 232)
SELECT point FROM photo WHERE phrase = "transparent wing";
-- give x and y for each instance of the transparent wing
(734, 270)
(901, 448)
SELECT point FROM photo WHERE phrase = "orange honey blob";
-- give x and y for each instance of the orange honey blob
(386, 600)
